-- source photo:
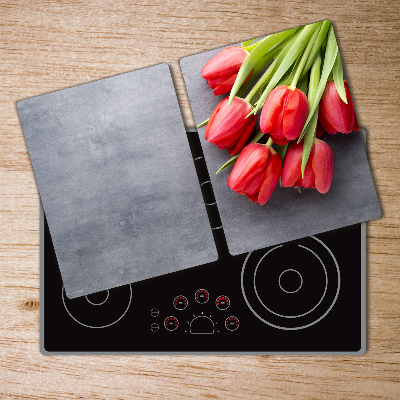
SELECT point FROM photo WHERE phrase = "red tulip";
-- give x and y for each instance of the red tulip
(284, 114)
(334, 114)
(221, 71)
(228, 126)
(319, 169)
(256, 172)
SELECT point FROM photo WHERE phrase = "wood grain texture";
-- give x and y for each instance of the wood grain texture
(47, 45)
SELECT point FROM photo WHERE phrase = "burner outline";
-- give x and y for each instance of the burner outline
(97, 327)
(297, 327)
(291, 316)
(98, 304)
(301, 280)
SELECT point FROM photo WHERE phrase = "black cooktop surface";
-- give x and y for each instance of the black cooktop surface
(304, 296)
(299, 297)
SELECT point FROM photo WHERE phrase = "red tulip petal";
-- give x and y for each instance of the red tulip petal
(335, 115)
(225, 63)
(224, 86)
(227, 124)
(295, 114)
(252, 160)
(354, 124)
(210, 124)
(252, 197)
(322, 164)
(254, 185)
(272, 175)
(309, 178)
(272, 108)
(281, 142)
(325, 122)
(291, 170)
(213, 83)
(245, 136)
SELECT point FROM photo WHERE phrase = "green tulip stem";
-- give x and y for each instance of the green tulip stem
(203, 123)
(311, 131)
(265, 76)
(290, 56)
(269, 142)
(315, 76)
(254, 57)
(304, 58)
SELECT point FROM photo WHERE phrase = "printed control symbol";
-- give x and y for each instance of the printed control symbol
(180, 302)
(171, 323)
(232, 323)
(155, 327)
(154, 312)
(222, 302)
(202, 296)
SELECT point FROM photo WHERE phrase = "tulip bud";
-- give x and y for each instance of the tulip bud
(256, 172)
(221, 71)
(228, 126)
(334, 114)
(319, 169)
(284, 114)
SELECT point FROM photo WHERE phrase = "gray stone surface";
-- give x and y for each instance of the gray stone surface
(288, 215)
(117, 180)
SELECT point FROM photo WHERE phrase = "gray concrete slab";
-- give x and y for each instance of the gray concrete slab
(288, 214)
(117, 180)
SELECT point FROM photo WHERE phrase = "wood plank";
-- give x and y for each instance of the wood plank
(46, 45)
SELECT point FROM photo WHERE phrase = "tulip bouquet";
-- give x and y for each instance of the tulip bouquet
(301, 94)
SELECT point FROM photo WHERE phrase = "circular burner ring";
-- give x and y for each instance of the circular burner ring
(290, 291)
(101, 326)
(98, 304)
(302, 326)
(291, 316)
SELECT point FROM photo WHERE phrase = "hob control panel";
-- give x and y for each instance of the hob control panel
(197, 313)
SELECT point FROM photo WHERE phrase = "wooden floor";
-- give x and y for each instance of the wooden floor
(47, 45)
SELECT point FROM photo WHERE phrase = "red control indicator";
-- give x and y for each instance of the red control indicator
(180, 302)
(231, 323)
(202, 296)
(171, 323)
(222, 302)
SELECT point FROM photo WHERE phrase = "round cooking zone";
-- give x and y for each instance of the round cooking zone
(291, 286)
(99, 310)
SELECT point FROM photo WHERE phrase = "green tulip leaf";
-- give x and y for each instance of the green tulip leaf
(337, 72)
(330, 57)
(250, 47)
(264, 61)
(261, 64)
(303, 84)
(288, 77)
(253, 58)
(308, 142)
(293, 52)
(277, 62)
(247, 42)
(230, 162)
(203, 123)
(315, 77)
(316, 47)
